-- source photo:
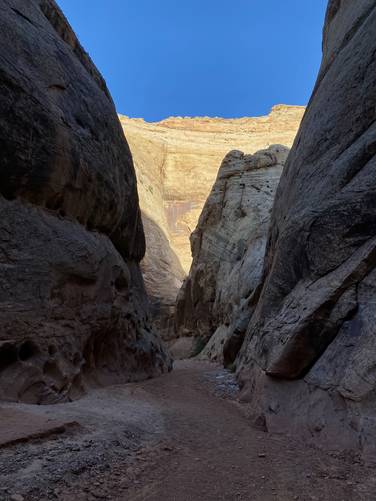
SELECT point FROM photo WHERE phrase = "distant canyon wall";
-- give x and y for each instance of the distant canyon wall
(177, 162)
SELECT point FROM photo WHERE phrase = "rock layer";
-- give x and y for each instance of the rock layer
(308, 361)
(228, 247)
(185, 154)
(176, 163)
(72, 302)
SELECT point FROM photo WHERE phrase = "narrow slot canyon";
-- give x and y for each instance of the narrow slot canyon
(187, 304)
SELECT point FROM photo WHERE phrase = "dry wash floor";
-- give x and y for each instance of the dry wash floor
(176, 438)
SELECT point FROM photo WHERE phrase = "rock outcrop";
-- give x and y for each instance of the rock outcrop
(228, 248)
(72, 300)
(176, 163)
(308, 363)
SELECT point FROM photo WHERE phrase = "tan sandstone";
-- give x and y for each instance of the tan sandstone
(177, 162)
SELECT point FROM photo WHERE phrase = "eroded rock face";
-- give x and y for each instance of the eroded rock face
(176, 163)
(228, 247)
(309, 358)
(72, 300)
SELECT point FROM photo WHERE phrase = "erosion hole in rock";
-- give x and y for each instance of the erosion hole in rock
(121, 283)
(27, 350)
(52, 349)
(8, 356)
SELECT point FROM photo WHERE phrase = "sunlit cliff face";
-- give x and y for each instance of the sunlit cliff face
(177, 161)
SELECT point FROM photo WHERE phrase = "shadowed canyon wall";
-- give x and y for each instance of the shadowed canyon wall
(72, 300)
(308, 363)
(177, 162)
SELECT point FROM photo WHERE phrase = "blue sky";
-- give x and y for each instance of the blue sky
(226, 58)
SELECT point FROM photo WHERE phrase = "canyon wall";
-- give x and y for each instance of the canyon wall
(73, 308)
(161, 267)
(228, 249)
(177, 162)
(308, 363)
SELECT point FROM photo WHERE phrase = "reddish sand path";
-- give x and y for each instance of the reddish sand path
(216, 454)
(180, 437)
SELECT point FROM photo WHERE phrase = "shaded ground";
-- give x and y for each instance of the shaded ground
(176, 438)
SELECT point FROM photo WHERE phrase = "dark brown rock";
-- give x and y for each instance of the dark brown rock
(72, 301)
(310, 346)
(62, 146)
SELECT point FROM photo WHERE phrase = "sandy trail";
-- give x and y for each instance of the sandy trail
(176, 438)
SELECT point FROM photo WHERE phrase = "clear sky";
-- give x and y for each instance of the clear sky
(226, 58)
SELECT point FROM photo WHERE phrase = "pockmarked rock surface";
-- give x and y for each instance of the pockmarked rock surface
(309, 358)
(73, 308)
(228, 248)
(177, 162)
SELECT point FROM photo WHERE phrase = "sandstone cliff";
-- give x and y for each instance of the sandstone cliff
(176, 163)
(72, 300)
(228, 249)
(308, 362)
(161, 267)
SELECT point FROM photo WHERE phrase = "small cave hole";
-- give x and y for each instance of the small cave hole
(27, 350)
(52, 350)
(8, 356)
(121, 283)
